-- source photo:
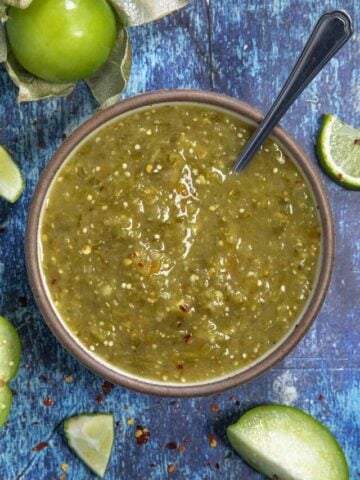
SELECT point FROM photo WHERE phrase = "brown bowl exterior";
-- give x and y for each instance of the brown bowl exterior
(144, 386)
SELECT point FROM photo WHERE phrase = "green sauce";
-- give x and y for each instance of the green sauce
(165, 263)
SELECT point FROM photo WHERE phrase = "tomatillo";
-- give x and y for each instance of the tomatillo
(62, 40)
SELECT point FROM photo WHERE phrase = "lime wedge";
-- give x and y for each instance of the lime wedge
(338, 147)
(284, 442)
(10, 351)
(11, 180)
(91, 436)
(5, 403)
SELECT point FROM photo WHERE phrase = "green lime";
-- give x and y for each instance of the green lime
(284, 442)
(10, 351)
(5, 403)
(91, 436)
(338, 147)
(11, 179)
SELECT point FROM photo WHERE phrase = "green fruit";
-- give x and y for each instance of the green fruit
(62, 40)
(10, 351)
(5, 403)
(285, 443)
(11, 180)
(91, 436)
(338, 147)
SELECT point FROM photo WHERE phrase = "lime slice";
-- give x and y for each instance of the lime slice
(284, 442)
(5, 403)
(11, 180)
(91, 436)
(10, 351)
(338, 147)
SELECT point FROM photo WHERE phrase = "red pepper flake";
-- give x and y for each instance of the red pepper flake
(141, 264)
(187, 338)
(107, 387)
(133, 255)
(215, 408)
(321, 398)
(217, 465)
(181, 448)
(40, 446)
(212, 441)
(53, 281)
(142, 435)
(187, 441)
(2, 230)
(180, 366)
(184, 308)
(171, 468)
(100, 399)
(357, 141)
(171, 445)
(48, 402)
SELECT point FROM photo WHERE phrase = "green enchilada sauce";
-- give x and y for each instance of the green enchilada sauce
(163, 262)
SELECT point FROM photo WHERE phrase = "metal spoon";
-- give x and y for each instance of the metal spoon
(331, 32)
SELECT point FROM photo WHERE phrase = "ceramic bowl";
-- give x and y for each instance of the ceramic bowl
(105, 370)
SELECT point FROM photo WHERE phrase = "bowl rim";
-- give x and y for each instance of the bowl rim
(69, 341)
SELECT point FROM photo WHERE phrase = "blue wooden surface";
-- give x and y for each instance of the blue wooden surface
(244, 48)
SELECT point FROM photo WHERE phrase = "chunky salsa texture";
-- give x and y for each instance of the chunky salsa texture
(164, 262)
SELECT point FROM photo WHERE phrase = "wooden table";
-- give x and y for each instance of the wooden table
(243, 48)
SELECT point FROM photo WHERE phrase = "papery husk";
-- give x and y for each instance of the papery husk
(111, 80)
(138, 12)
(32, 88)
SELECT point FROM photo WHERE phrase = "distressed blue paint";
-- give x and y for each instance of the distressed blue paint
(243, 48)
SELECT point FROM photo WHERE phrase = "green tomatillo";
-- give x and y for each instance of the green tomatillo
(62, 40)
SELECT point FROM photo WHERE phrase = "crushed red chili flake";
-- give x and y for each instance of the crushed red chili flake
(141, 264)
(40, 446)
(142, 435)
(53, 281)
(321, 397)
(171, 468)
(184, 308)
(212, 441)
(133, 255)
(181, 448)
(171, 445)
(48, 402)
(187, 338)
(217, 465)
(100, 399)
(215, 408)
(187, 440)
(357, 141)
(107, 387)
(2, 230)
(180, 366)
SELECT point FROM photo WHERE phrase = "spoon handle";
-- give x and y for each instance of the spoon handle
(331, 32)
